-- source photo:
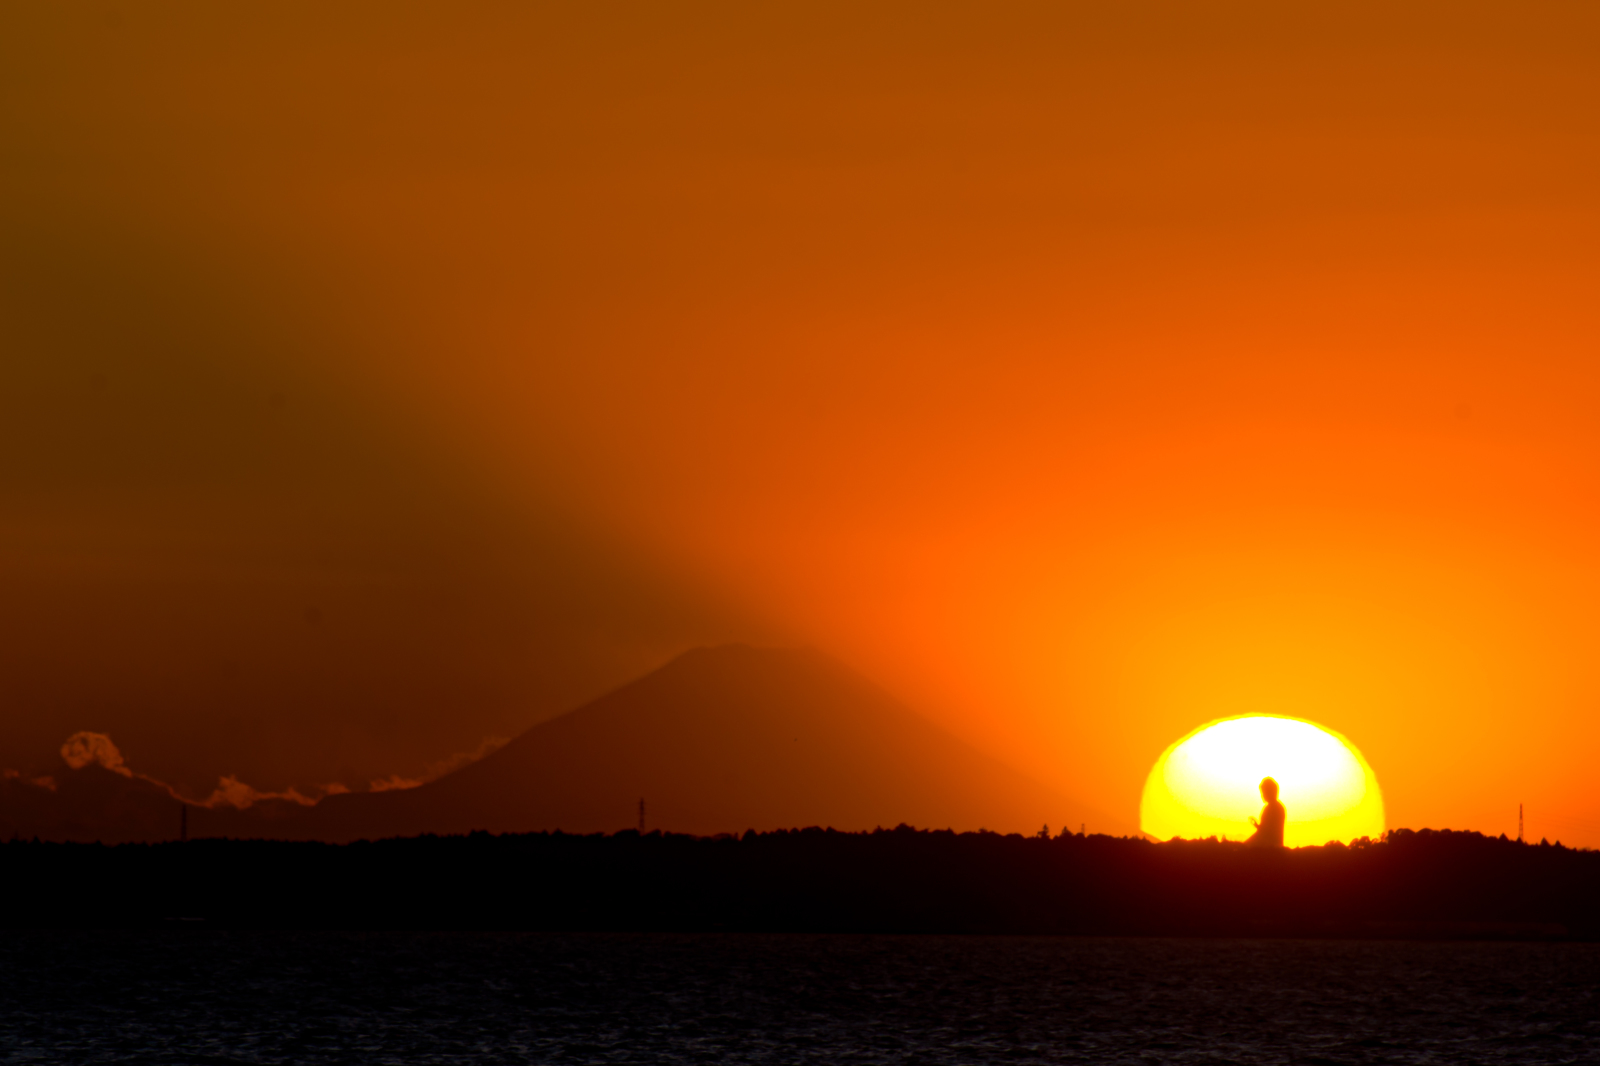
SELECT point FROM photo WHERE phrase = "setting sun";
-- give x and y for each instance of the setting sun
(1206, 784)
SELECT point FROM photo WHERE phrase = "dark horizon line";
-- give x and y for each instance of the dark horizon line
(903, 827)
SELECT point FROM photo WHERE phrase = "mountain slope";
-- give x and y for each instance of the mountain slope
(87, 804)
(717, 740)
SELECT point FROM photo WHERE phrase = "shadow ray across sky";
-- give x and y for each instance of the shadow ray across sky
(212, 550)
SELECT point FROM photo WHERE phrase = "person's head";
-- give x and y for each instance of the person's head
(1269, 789)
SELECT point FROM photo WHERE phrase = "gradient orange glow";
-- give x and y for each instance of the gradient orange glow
(1080, 371)
(1206, 784)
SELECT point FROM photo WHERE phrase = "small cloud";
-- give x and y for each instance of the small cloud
(392, 783)
(232, 792)
(84, 748)
(38, 782)
(16, 775)
(488, 746)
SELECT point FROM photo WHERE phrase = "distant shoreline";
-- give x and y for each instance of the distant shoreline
(1414, 885)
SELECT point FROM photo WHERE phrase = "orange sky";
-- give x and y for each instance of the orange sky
(390, 378)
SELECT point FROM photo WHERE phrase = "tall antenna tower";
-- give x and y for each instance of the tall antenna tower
(1519, 823)
(641, 819)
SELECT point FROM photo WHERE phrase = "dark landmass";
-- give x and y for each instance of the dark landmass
(716, 740)
(1427, 884)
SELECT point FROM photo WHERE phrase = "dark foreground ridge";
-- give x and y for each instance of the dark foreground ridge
(1429, 884)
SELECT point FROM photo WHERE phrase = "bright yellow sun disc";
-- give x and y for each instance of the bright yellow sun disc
(1207, 783)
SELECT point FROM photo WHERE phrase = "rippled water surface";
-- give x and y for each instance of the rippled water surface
(228, 997)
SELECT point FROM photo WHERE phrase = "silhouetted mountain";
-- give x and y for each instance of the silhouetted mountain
(87, 804)
(717, 740)
(93, 803)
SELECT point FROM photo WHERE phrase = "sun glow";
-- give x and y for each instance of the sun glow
(1206, 783)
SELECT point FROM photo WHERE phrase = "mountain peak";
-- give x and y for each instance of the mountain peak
(718, 739)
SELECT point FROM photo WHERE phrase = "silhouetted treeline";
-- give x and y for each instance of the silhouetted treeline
(1429, 884)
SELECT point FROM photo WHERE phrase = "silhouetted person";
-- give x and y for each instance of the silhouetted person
(1269, 831)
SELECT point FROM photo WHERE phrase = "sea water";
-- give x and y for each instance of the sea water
(197, 996)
